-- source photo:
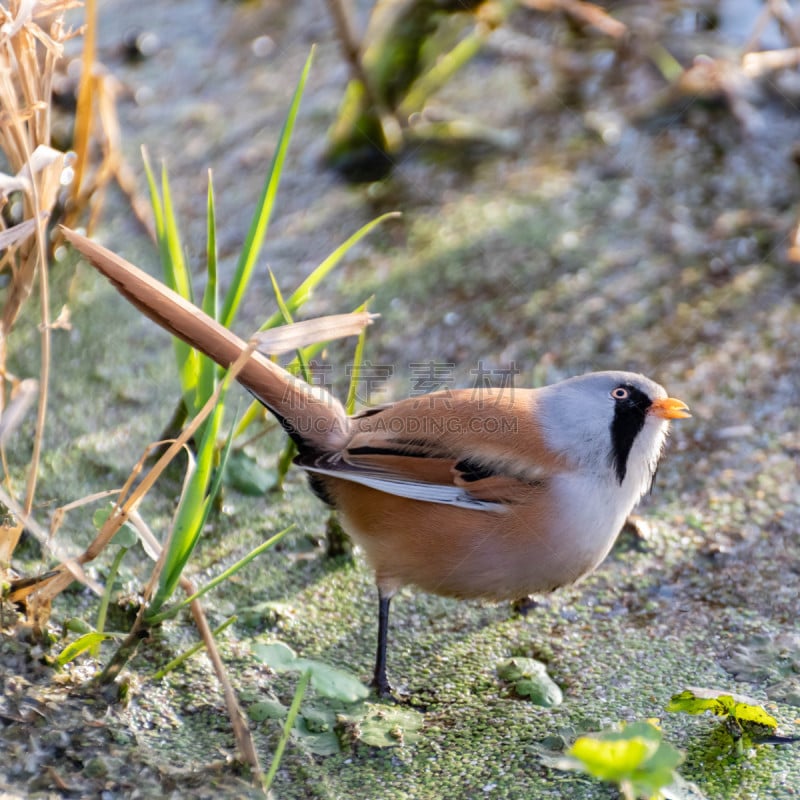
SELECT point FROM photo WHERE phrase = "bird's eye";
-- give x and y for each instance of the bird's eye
(620, 393)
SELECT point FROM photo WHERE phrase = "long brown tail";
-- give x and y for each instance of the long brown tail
(315, 419)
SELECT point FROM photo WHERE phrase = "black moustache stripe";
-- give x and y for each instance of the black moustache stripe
(629, 416)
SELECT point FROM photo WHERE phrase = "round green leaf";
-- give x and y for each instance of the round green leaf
(334, 683)
(277, 656)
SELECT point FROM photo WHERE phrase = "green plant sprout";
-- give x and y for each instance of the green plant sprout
(91, 638)
(125, 538)
(743, 718)
(633, 756)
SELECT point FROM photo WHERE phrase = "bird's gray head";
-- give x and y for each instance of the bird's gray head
(614, 422)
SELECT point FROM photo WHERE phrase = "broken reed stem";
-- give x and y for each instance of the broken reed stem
(85, 105)
(241, 731)
(44, 376)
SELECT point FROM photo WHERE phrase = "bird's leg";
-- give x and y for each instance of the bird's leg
(379, 680)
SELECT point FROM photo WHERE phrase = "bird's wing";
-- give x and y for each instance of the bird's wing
(401, 486)
(450, 448)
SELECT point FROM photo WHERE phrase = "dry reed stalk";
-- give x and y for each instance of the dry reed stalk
(32, 37)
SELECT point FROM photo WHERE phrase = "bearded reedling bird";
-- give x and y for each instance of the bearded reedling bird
(490, 493)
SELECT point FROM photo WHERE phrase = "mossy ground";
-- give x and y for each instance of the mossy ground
(661, 248)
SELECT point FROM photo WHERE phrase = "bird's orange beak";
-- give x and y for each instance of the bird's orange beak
(670, 408)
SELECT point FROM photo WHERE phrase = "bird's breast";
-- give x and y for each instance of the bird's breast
(591, 514)
(552, 539)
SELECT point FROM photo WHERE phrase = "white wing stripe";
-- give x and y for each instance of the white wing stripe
(414, 490)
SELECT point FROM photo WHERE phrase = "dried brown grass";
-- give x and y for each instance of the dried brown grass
(32, 38)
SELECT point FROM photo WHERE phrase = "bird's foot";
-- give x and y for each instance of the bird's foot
(386, 692)
(382, 688)
(524, 605)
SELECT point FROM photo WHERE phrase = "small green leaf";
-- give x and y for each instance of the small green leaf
(277, 656)
(320, 743)
(328, 681)
(125, 537)
(334, 683)
(81, 645)
(101, 515)
(688, 702)
(635, 757)
(611, 760)
(380, 726)
(754, 714)
(529, 679)
(317, 719)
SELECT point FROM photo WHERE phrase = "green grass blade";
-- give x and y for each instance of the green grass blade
(303, 292)
(175, 275)
(155, 201)
(192, 513)
(223, 576)
(211, 296)
(195, 505)
(358, 360)
(287, 320)
(294, 710)
(181, 539)
(282, 307)
(260, 222)
(207, 377)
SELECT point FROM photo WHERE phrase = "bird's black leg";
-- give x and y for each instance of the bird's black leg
(379, 680)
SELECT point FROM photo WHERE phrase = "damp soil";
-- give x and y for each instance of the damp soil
(614, 228)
